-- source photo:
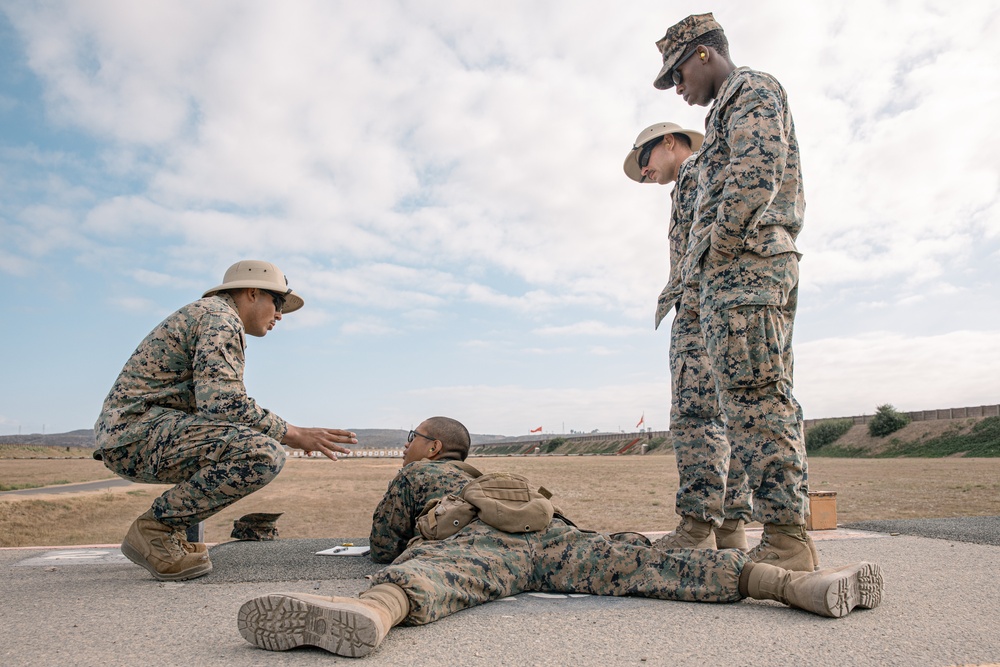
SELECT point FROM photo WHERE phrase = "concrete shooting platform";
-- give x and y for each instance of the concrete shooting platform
(90, 606)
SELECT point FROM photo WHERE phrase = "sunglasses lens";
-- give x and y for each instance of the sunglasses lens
(646, 152)
(279, 301)
(410, 436)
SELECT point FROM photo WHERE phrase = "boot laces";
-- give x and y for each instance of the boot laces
(168, 544)
(762, 547)
(180, 540)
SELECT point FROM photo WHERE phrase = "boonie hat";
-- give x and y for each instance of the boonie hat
(675, 42)
(262, 275)
(632, 169)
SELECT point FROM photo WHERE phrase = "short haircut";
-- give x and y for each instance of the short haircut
(453, 435)
(683, 138)
(715, 39)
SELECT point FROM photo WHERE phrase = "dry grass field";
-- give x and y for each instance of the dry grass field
(321, 498)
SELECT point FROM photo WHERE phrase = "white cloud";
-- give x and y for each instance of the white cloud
(14, 265)
(439, 125)
(456, 167)
(852, 376)
(589, 328)
(900, 182)
(152, 278)
(134, 304)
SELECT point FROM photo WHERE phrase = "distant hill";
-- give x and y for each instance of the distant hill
(967, 436)
(367, 437)
(970, 436)
(79, 438)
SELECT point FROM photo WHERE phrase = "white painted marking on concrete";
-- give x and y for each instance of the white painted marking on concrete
(75, 557)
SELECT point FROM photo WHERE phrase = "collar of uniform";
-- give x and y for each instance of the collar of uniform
(730, 86)
(227, 299)
(231, 304)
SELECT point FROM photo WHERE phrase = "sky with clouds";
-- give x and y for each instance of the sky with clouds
(442, 182)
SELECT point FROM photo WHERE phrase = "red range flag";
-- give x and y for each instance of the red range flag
(536, 430)
(642, 420)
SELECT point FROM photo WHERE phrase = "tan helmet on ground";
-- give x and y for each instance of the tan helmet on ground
(632, 168)
(262, 275)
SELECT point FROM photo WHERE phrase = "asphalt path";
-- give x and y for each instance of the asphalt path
(975, 529)
(93, 607)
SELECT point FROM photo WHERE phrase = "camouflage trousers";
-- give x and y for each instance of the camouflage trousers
(747, 313)
(713, 485)
(480, 563)
(213, 464)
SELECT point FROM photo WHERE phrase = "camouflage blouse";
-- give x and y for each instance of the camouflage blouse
(681, 213)
(395, 519)
(750, 196)
(193, 362)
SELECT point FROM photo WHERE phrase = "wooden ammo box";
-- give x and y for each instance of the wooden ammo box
(822, 511)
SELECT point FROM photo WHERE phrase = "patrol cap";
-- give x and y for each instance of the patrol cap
(262, 275)
(674, 44)
(632, 169)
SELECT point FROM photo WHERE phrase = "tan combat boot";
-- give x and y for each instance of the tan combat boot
(689, 534)
(351, 627)
(156, 547)
(731, 535)
(815, 554)
(787, 547)
(189, 547)
(833, 592)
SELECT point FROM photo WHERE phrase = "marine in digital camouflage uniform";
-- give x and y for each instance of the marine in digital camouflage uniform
(179, 414)
(430, 579)
(713, 498)
(482, 563)
(744, 262)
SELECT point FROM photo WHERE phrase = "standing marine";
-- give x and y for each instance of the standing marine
(749, 210)
(713, 499)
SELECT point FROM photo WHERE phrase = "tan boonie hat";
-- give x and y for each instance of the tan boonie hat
(674, 44)
(632, 168)
(262, 275)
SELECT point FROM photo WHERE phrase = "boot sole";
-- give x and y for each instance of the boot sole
(191, 573)
(862, 588)
(279, 622)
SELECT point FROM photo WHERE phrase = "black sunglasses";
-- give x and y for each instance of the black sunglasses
(279, 300)
(675, 74)
(647, 148)
(412, 434)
